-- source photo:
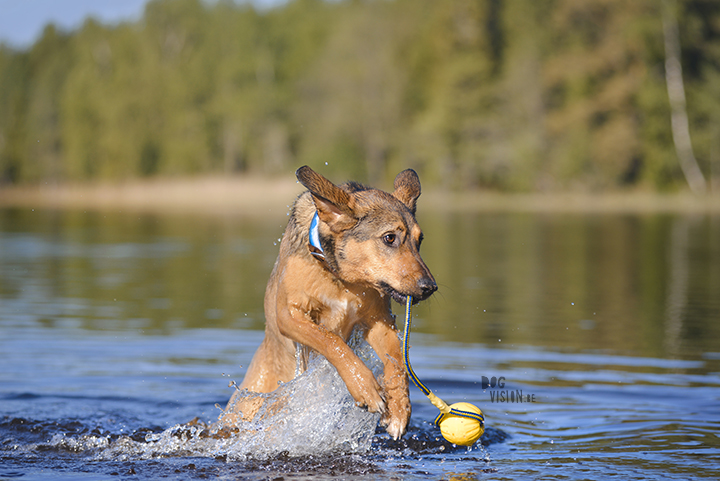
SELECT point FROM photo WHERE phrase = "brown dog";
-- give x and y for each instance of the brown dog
(346, 252)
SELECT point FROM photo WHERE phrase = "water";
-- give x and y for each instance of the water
(117, 328)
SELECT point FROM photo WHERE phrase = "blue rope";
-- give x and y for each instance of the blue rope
(406, 358)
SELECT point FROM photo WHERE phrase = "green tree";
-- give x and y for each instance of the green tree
(515, 95)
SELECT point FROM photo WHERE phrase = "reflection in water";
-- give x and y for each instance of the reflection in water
(152, 273)
(609, 282)
(642, 285)
(677, 284)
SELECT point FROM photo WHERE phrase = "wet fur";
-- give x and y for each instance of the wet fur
(371, 244)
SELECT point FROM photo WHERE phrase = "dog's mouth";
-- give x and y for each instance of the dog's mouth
(399, 297)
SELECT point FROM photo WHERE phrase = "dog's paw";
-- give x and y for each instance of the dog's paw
(395, 424)
(397, 416)
(370, 399)
(396, 428)
(366, 391)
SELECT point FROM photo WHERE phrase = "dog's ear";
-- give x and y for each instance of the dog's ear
(407, 188)
(334, 205)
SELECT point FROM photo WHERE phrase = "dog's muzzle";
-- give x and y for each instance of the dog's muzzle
(426, 286)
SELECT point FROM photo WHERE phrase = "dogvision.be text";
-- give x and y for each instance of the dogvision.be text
(506, 395)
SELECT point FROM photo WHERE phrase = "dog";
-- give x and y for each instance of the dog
(346, 252)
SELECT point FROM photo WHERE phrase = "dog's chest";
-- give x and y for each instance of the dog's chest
(343, 310)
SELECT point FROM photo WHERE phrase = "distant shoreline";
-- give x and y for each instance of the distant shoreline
(260, 196)
(202, 195)
(631, 202)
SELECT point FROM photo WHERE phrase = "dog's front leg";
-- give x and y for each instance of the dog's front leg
(383, 338)
(362, 385)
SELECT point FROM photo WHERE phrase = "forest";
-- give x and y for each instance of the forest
(508, 95)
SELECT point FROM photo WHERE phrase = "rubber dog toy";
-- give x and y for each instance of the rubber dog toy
(461, 423)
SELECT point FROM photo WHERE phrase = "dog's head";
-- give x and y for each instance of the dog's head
(371, 237)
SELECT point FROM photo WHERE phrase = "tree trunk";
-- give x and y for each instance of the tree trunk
(676, 95)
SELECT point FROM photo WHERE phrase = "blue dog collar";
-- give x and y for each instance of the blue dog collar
(314, 237)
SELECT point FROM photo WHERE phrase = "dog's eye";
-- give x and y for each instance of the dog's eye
(390, 239)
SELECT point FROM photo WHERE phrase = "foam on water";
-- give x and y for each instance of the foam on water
(313, 414)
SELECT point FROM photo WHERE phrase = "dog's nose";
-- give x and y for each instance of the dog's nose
(427, 286)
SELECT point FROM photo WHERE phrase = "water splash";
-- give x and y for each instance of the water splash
(313, 414)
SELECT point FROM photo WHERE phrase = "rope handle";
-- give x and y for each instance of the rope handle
(434, 399)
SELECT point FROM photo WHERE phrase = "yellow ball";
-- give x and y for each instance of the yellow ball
(460, 430)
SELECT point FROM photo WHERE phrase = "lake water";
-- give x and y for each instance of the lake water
(117, 327)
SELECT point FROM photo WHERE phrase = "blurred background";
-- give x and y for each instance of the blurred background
(518, 96)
